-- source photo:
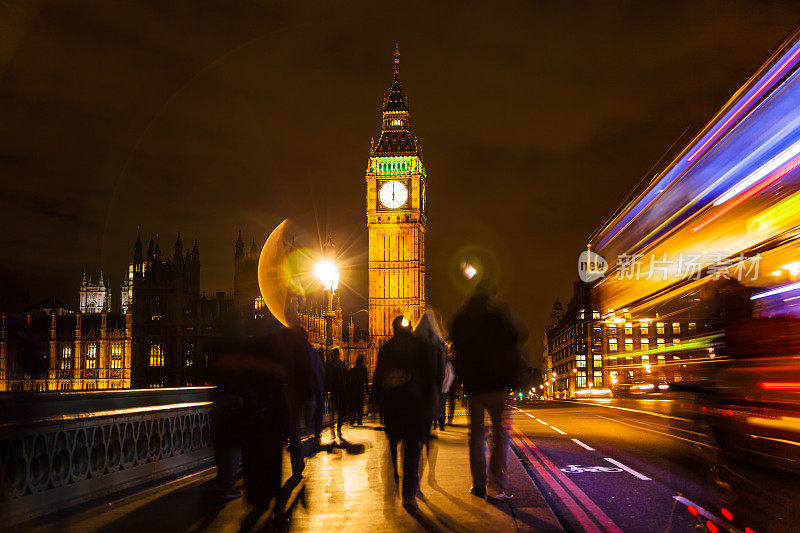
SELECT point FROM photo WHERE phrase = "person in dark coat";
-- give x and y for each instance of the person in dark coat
(336, 385)
(487, 337)
(301, 384)
(358, 385)
(226, 415)
(405, 376)
(278, 379)
(265, 415)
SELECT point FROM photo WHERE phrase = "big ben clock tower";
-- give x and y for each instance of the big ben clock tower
(396, 220)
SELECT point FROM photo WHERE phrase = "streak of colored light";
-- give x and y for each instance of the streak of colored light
(745, 104)
(781, 172)
(678, 168)
(694, 344)
(787, 160)
(779, 290)
(780, 385)
(782, 213)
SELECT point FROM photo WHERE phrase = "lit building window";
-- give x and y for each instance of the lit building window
(676, 328)
(116, 355)
(580, 360)
(598, 361)
(91, 356)
(660, 328)
(645, 343)
(645, 359)
(692, 327)
(598, 379)
(661, 360)
(595, 314)
(660, 343)
(156, 354)
(628, 345)
(580, 379)
(675, 342)
(66, 358)
(645, 328)
(628, 328)
(612, 345)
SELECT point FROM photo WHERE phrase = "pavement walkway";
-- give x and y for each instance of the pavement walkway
(348, 488)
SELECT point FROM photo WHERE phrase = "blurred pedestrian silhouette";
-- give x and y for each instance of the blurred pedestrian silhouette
(429, 332)
(277, 380)
(358, 387)
(448, 386)
(302, 386)
(487, 337)
(335, 384)
(316, 405)
(227, 366)
(404, 377)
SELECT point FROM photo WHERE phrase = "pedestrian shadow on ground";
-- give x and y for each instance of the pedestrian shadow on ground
(199, 503)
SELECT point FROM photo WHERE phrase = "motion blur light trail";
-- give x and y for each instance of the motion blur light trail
(758, 126)
(731, 197)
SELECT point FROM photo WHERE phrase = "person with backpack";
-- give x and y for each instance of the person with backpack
(405, 378)
(487, 337)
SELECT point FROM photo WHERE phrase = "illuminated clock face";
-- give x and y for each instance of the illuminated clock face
(393, 194)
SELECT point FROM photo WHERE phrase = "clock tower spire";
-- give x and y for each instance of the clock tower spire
(396, 219)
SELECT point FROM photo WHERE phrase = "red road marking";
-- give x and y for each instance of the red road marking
(571, 504)
(590, 506)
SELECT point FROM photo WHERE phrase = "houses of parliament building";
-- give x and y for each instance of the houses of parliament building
(160, 334)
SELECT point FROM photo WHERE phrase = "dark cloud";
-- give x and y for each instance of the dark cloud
(205, 117)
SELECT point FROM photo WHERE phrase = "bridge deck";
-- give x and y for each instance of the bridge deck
(346, 489)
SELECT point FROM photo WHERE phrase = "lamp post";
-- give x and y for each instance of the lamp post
(328, 275)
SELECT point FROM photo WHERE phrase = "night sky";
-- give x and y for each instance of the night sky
(535, 120)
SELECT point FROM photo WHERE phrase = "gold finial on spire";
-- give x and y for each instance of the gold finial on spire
(396, 54)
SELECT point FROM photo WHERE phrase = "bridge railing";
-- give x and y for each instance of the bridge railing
(59, 449)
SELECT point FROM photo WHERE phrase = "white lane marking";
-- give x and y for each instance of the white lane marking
(530, 415)
(556, 429)
(631, 410)
(541, 421)
(579, 443)
(627, 469)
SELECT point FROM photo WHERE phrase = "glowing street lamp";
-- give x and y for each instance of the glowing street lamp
(328, 275)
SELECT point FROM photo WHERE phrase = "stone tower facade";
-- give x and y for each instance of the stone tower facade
(396, 218)
(94, 297)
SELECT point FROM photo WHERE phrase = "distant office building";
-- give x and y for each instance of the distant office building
(575, 353)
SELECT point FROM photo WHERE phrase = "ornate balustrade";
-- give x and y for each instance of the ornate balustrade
(58, 449)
